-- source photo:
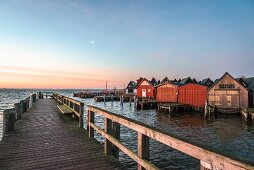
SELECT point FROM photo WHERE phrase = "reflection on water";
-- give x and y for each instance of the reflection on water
(225, 134)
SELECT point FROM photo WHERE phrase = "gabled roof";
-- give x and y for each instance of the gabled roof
(204, 81)
(195, 81)
(217, 80)
(144, 79)
(153, 81)
(241, 80)
(131, 84)
(166, 82)
(186, 80)
(250, 82)
(165, 79)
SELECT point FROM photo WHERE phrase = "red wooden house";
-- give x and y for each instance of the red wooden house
(145, 89)
(193, 94)
(167, 93)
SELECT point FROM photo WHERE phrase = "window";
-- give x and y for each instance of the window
(226, 86)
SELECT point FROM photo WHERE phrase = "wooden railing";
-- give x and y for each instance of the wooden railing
(10, 116)
(45, 95)
(76, 106)
(111, 133)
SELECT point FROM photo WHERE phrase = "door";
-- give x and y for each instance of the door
(143, 92)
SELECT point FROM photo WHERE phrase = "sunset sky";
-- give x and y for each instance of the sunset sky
(83, 44)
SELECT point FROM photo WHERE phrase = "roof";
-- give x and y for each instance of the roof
(166, 82)
(153, 81)
(204, 81)
(131, 84)
(217, 80)
(144, 79)
(250, 82)
(195, 81)
(185, 80)
(165, 79)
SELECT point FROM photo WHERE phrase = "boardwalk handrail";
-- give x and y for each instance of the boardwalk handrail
(76, 106)
(112, 122)
(45, 94)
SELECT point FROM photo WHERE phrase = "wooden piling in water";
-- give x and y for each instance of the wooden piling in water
(9, 120)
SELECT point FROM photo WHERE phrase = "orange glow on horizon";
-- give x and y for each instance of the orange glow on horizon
(16, 77)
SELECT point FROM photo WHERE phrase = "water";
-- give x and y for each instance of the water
(227, 135)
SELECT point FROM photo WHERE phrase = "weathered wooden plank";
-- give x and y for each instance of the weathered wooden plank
(147, 165)
(44, 139)
(64, 109)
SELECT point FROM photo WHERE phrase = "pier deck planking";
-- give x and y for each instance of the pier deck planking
(45, 139)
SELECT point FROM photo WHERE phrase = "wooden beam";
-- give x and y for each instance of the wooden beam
(143, 148)
(212, 158)
(91, 121)
(147, 165)
(107, 129)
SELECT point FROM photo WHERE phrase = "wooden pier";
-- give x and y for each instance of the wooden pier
(45, 139)
(173, 107)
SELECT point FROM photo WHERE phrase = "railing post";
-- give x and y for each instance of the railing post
(107, 129)
(81, 115)
(115, 134)
(91, 120)
(143, 148)
(112, 128)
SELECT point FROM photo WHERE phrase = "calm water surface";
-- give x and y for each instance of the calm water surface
(228, 135)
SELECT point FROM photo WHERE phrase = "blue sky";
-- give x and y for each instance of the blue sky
(122, 40)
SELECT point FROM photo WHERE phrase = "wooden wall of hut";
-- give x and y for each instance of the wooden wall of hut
(167, 92)
(227, 92)
(193, 94)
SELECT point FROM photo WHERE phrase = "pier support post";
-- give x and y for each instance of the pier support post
(81, 115)
(30, 101)
(18, 110)
(143, 148)
(91, 120)
(10, 118)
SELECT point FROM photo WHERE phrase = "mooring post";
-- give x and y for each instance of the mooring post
(104, 97)
(108, 130)
(30, 101)
(81, 115)
(10, 115)
(91, 120)
(18, 111)
(143, 148)
(4, 123)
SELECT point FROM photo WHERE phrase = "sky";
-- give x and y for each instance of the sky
(83, 44)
